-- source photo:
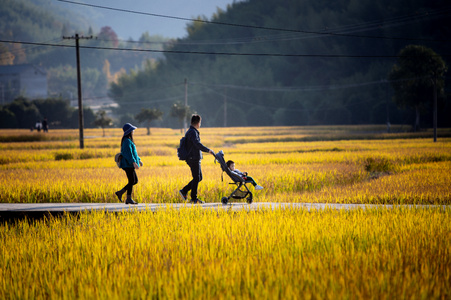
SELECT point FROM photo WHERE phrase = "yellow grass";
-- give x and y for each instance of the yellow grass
(196, 254)
(345, 171)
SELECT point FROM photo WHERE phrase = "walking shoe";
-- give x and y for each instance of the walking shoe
(258, 187)
(130, 201)
(197, 201)
(182, 195)
(119, 195)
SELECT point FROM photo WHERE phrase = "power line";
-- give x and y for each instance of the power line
(325, 33)
(281, 37)
(292, 88)
(359, 27)
(216, 53)
(212, 87)
(278, 107)
(156, 100)
(17, 51)
(366, 26)
(313, 88)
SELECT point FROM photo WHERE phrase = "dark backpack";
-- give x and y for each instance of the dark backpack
(182, 152)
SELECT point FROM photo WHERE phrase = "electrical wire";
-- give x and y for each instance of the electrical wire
(315, 88)
(217, 53)
(32, 47)
(325, 33)
(164, 99)
(366, 26)
(293, 88)
(274, 108)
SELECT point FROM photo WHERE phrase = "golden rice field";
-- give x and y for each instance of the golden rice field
(382, 170)
(196, 254)
(191, 253)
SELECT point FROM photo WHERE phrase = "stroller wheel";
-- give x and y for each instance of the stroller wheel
(224, 200)
(249, 198)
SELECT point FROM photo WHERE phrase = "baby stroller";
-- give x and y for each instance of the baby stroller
(242, 191)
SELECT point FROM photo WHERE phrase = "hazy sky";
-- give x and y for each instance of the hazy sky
(128, 25)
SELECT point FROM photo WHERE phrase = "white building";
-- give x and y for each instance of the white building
(25, 80)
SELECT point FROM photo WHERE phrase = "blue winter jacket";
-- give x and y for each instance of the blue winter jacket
(129, 154)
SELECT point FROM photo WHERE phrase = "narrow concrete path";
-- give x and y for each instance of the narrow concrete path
(34, 210)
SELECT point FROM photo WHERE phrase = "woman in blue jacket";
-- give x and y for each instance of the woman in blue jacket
(129, 163)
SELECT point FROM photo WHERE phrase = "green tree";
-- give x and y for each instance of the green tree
(413, 78)
(102, 120)
(293, 115)
(147, 115)
(58, 111)
(25, 112)
(7, 118)
(180, 112)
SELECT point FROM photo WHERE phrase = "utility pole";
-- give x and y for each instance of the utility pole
(186, 105)
(80, 101)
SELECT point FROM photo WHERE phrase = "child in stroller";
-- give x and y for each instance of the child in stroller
(241, 191)
(231, 166)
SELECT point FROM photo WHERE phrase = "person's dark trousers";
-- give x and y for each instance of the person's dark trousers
(132, 180)
(196, 172)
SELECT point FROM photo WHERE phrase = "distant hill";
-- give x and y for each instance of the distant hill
(292, 62)
(47, 22)
(37, 20)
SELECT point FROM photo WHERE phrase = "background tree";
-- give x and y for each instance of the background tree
(102, 120)
(108, 35)
(25, 112)
(7, 118)
(180, 112)
(413, 78)
(147, 115)
(88, 116)
(57, 111)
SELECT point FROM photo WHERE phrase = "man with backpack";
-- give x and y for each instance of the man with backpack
(194, 149)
